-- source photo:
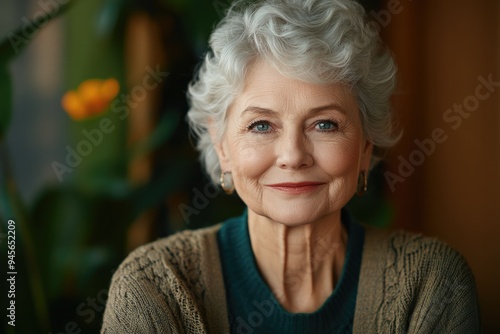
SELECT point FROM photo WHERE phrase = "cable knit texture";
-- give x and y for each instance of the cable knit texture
(408, 284)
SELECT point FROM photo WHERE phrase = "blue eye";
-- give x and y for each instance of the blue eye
(260, 126)
(326, 126)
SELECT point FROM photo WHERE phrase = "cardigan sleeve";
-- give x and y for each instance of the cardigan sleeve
(155, 290)
(135, 305)
(414, 284)
(448, 301)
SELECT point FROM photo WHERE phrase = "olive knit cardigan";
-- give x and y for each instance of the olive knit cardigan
(408, 284)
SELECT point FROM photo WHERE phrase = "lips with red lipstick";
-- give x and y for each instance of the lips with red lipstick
(296, 187)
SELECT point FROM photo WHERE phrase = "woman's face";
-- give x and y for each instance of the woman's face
(295, 149)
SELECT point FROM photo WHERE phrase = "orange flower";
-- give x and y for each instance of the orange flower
(92, 97)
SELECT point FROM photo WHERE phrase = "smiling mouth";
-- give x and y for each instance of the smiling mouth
(296, 188)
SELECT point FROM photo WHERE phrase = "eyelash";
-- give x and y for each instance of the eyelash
(332, 121)
(254, 124)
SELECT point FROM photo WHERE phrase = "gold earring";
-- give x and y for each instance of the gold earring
(226, 182)
(362, 183)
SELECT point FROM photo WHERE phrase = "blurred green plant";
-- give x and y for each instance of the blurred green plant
(10, 46)
(73, 236)
(10, 204)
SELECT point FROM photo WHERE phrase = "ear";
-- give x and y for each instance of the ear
(220, 146)
(366, 155)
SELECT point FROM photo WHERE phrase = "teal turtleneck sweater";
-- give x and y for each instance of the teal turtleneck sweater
(253, 308)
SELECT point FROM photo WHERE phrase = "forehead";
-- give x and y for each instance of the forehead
(265, 86)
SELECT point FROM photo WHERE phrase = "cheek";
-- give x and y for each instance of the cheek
(249, 161)
(338, 159)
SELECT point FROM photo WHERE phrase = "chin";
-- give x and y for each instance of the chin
(293, 215)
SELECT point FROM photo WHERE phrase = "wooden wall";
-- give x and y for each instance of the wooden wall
(443, 49)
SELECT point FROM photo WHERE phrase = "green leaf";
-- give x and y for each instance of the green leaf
(10, 46)
(16, 41)
(5, 99)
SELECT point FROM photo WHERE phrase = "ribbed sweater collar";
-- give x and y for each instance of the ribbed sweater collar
(252, 306)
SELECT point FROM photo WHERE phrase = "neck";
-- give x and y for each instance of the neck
(301, 264)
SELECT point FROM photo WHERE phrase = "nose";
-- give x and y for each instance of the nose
(294, 151)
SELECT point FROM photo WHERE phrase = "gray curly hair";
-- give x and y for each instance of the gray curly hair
(317, 41)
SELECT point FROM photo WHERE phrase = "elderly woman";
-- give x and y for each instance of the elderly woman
(291, 108)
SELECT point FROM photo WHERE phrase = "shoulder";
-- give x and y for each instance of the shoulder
(174, 259)
(420, 282)
(415, 253)
(173, 252)
(162, 281)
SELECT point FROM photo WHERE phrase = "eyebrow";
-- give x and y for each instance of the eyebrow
(332, 106)
(261, 110)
